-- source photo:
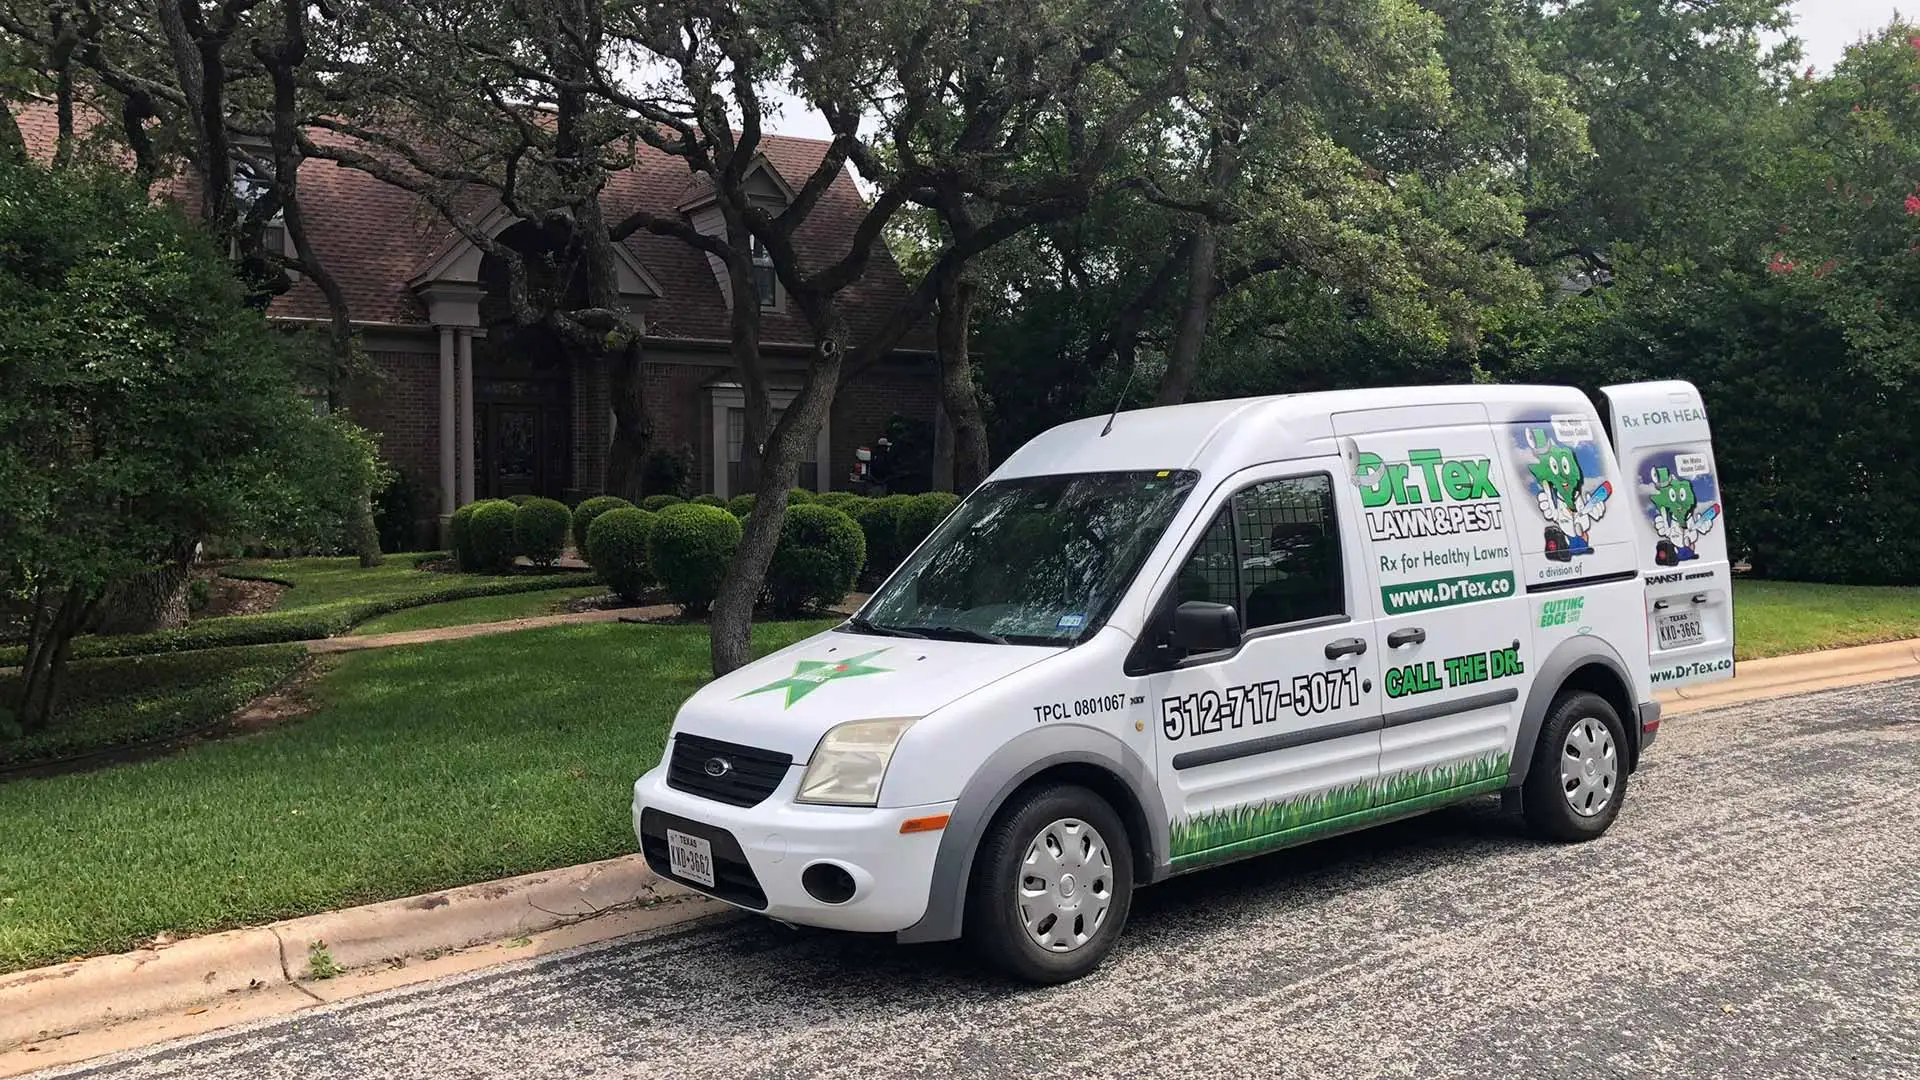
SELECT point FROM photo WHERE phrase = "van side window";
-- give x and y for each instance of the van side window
(1209, 575)
(1289, 552)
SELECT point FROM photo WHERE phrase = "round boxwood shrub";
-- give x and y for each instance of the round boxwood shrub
(820, 554)
(540, 530)
(660, 502)
(617, 550)
(741, 505)
(799, 495)
(710, 500)
(460, 538)
(921, 514)
(689, 551)
(879, 519)
(490, 532)
(518, 499)
(843, 501)
(584, 514)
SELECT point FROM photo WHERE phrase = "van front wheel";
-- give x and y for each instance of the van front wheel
(1052, 885)
(1579, 773)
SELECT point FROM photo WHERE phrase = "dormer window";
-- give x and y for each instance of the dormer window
(765, 281)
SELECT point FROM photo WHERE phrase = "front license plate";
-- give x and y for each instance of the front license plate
(1678, 629)
(690, 857)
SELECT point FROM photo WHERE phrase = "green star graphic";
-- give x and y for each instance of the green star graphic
(811, 675)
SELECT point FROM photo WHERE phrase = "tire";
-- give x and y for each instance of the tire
(1579, 774)
(1003, 900)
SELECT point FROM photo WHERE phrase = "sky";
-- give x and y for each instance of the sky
(1825, 29)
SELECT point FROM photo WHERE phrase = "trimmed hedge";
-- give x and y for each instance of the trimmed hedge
(879, 519)
(741, 505)
(540, 530)
(820, 554)
(272, 626)
(490, 532)
(617, 547)
(657, 503)
(709, 500)
(921, 514)
(460, 538)
(843, 501)
(689, 551)
(801, 496)
(584, 514)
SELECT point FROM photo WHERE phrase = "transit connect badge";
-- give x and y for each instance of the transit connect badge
(811, 675)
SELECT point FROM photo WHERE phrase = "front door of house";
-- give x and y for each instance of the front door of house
(523, 437)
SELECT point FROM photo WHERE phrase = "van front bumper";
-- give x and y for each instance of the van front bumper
(760, 852)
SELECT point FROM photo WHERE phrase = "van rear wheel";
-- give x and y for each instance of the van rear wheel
(1052, 885)
(1579, 773)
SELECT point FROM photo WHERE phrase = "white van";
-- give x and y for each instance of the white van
(1181, 636)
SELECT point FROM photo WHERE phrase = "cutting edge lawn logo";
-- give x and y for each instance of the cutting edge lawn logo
(1445, 592)
(1430, 494)
(811, 675)
(1561, 612)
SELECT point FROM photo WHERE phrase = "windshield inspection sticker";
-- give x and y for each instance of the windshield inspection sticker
(1071, 622)
(811, 675)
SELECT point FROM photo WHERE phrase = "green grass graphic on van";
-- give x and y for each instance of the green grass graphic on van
(1444, 592)
(1243, 830)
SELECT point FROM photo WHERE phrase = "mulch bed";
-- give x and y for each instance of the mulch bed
(237, 596)
(609, 602)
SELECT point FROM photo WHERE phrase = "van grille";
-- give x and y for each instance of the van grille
(750, 775)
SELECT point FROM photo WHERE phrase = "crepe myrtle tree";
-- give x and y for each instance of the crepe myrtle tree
(142, 400)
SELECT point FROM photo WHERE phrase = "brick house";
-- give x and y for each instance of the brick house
(466, 405)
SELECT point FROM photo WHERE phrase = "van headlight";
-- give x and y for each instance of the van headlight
(851, 760)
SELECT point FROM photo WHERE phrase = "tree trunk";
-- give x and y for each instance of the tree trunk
(957, 392)
(13, 146)
(632, 431)
(154, 599)
(1183, 363)
(366, 534)
(57, 618)
(731, 623)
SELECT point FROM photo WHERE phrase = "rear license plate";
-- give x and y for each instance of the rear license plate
(1678, 629)
(690, 857)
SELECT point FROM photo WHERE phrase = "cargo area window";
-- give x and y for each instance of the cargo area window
(1273, 553)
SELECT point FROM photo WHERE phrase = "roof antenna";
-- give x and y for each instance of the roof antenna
(1122, 399)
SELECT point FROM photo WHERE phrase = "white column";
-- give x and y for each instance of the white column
(449, 429)
(465, 339)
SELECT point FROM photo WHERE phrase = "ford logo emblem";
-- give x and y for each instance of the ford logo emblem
(717, 767)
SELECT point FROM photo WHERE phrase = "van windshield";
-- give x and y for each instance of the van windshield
(1039, 560)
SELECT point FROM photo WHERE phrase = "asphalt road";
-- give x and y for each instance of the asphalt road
(1755, 912)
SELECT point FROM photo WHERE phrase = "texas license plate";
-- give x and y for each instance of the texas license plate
(690, 857)
(1678, 629)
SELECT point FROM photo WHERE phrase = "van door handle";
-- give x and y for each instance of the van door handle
(1346, 646)
(1699, 598)
(1659, 605)
(1411, 636)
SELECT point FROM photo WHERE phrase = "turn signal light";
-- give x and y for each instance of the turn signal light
(924, 824)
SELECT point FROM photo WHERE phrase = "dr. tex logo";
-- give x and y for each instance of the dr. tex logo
(1430, 495)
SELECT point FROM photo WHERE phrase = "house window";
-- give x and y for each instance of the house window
(741, 478)
(248, 189)
(765, 282)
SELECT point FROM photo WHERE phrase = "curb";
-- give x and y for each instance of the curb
(64, 998)
(1799, 673)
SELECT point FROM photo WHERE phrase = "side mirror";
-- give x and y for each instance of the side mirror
(1202, 627)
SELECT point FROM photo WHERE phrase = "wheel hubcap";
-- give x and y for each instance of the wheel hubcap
(1066, 885)
(1589, 766)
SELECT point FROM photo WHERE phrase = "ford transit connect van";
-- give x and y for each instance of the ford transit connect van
(1182, 636)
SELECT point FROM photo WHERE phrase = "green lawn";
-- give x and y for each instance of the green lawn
(328, 596)
(480, 609)
(137, 698)
(424, 767)
(1774, 618)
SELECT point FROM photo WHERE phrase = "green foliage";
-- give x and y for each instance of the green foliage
(879, 521)
(660, 502)
(540, 530)
(617, 546)
(584, 514)
(460, 538)
(689, 551)
(710, 500)
(798, 496)
(398, 509)
(842, 501)
(667, 472)
(921, 514)
(490, 534)
(516, 500)
(741, 505)
(820, 555)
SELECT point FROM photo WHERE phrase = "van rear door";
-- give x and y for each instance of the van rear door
(1661, 438)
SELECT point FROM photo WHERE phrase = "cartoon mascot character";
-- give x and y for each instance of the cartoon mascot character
(1570, 510)
(1678, 519)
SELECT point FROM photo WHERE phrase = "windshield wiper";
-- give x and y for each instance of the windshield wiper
(867, 627)
(960, 633)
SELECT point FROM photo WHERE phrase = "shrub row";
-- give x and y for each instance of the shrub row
(488, 535)
(310, 625)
